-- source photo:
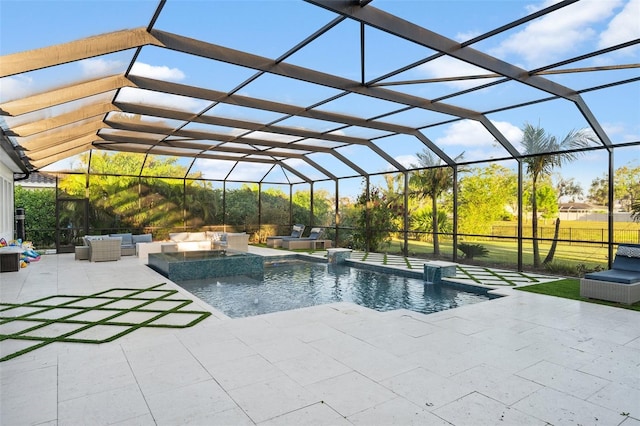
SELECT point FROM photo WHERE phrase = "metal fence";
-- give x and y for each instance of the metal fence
(577, 235)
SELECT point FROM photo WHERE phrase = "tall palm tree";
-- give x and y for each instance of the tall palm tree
(431, 182)
(536, 141)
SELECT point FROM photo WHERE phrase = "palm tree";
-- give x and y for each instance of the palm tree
(535, 141)
(431, 182)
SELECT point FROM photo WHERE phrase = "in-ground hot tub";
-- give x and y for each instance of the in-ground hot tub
(194, 265)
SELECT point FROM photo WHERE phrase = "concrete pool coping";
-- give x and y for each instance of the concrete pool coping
(525, 358)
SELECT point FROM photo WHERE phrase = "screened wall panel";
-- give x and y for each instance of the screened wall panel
(275, 210)
(626, 184)
(204, 204)
(241, 207)
(324, 208)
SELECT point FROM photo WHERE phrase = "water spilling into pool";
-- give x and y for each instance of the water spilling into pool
(297, 284)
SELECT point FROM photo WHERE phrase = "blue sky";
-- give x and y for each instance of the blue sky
(270, 28)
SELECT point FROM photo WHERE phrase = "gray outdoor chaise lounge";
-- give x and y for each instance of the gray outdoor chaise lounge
(276, 240)
(619, 284)
(313, 241)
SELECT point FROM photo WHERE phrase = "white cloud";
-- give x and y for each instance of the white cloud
(296, 163)
(464, 133)
(249, 171)
(100, 67)
(613, 128)
(464, 36)
(157, 72)
(476, 141)
(469, 133)
(619, 132)
(532, 8)
(213, 169)
(15, 87)
(408, 160)
(511, 132)
(623, 27)
(545, 39)
(148, 97)
(268, 136)
(69, 163)
(447, 66)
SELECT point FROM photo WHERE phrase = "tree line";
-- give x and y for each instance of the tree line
(118, 199)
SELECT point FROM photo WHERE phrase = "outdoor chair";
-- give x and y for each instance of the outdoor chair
(619, 284)
(310, 242)
(104, 249)
(276, 240)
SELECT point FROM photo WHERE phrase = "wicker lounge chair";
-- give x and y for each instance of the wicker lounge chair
(619, 284)
(105, 249)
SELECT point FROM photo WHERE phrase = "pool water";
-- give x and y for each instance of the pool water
(301, 284)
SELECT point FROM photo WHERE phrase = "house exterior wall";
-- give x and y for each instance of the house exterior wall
(7, 222)
(593, 216)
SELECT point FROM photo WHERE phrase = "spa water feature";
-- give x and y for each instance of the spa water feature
(203, 264)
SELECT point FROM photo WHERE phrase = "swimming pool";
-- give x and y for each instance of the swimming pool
(297, 284)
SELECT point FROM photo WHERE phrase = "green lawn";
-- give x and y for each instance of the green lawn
(503, 253)
(570, 289)
(570, 258)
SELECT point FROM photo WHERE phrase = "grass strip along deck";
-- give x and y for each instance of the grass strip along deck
(97, 318)
(570, 289)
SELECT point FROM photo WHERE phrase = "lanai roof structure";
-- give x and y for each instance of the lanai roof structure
(305, 91)
(312, 93)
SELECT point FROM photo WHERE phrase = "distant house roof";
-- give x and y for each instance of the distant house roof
(573, 207)
(37, 181)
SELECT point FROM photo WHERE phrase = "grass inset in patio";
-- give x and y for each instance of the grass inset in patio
(96, 318)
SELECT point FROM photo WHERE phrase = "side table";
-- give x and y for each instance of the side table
(9, 261)
(143, 249)
(82, 253)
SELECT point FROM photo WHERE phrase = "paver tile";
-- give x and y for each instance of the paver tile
(567, 380)
(272, 398)
(558, 408)
(351, 393)
(477, 409)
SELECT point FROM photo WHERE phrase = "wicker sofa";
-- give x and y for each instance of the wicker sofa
(102, 251)
(619, 284)
(129, 241)
(190, 241)
(207, 240)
